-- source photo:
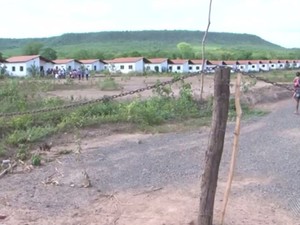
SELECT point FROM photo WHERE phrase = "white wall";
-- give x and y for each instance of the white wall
(21, 69)
(70, 65)
(127, 67)
(264, 66)
(195, 68)
(96, 66)
(162, 67)
(243, 67)
(253, 68)
(273, 66)
(179, 68)
(17, 69)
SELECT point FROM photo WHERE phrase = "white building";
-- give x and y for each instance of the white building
(179, 65)
(233, 64)
(264, 65)
(212, 65)
(273, 64)
(21, 65)
(93, 64)
(126, 65)
(159, 65)
(66, 64)
(196, 65)
(281, 64)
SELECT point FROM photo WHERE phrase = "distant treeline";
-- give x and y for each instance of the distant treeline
(150, 44)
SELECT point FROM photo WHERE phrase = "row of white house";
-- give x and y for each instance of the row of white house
(19, 65)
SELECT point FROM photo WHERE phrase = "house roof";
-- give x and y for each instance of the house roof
(231, 62)
(180, 61)
(243, 62)
(196, 61)
(159, 60)
(128, 60)
(264, 61)
(219, 63)
(88, 61)
(2, 60)
(25, 58)
(64, 61)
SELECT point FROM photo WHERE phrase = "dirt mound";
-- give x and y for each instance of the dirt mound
(267, 94)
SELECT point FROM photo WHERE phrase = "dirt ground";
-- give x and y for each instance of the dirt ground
(92, 91)
(31, 196)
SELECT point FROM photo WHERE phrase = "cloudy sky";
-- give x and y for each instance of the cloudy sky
(276, 21)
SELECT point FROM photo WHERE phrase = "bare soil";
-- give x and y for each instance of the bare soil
(54, 192)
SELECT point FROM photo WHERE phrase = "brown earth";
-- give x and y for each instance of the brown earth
(52, 194)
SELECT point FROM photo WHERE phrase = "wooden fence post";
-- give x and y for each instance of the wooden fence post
(215, 147)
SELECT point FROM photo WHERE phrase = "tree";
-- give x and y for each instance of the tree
(82, 54)
(135, 54)
(33, 48)
(49, 53)
(98, 55)
(33, 71)
(185, 50)
(1, 55)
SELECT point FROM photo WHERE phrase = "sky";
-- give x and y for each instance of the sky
(276, 21)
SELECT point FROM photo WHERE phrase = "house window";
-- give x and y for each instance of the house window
(253, 66)
(170, 68)
(122, 67)
(190, 67)
(130, 67)
(197, 67)
(95, 68)
(263, 66)
(21, 68)
(280, 65)
(13, 68)
(70, 68)
(178, 67)
(156, 68)
(242, 67)
(272, 66)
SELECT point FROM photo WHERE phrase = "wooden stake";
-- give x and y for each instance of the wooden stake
(235, 144)
(215, 148)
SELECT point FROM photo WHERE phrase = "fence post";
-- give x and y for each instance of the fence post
(215, 147)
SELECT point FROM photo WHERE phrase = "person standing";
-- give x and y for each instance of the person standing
(87, 73)
(296, 94)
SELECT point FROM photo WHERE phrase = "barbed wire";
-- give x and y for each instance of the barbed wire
(285, 86)
(150, 87)
(102, 99)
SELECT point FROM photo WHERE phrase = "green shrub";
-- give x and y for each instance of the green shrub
(23, 152)
(108, 84)
(36, 160)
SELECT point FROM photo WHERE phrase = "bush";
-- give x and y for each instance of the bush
(109, 84)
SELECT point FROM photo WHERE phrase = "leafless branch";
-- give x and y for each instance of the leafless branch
(203, 50)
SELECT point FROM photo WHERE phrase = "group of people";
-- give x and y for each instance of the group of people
(80, 74)
(60, 73)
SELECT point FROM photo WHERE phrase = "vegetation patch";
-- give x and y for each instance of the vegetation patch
(108, 84)
(162, 110)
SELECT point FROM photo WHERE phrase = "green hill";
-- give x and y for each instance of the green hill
(147, 43)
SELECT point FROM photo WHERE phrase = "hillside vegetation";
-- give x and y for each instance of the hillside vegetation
(164, 43)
